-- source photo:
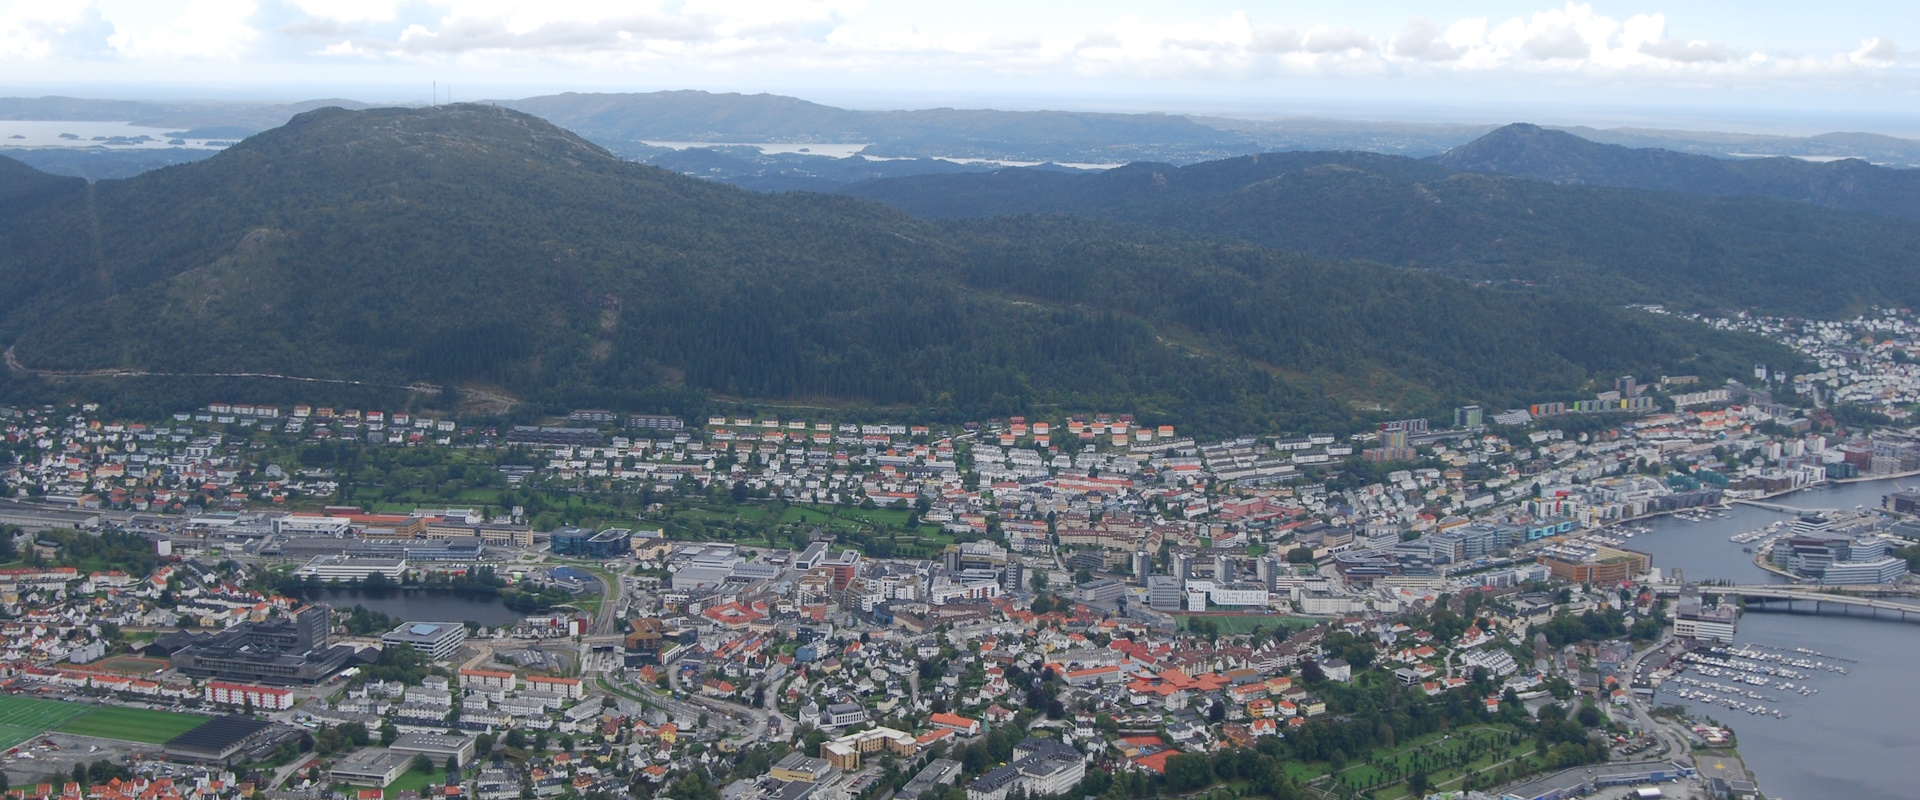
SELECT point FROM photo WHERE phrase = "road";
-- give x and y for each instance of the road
(1673, 738)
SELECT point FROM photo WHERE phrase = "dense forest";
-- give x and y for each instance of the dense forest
(1614, 244)
(479, 247)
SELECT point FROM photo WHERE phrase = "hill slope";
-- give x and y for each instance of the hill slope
(476, 245)
(1529, 151)
(1614, 244)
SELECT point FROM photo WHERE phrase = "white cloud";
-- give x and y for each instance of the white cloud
(219, 29)
(1875, 51)
(1425, 41)
(39, 29)
(847, 42)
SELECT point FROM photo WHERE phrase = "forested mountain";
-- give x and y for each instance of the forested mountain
(1616, 245)
(1530, 151)
(476, 245)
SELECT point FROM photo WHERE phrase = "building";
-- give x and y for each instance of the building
(1602, 565)
(604, 544)
(1040, 767)
(435, 746)
(1694, 620)
(1103, 591)
(228, 740)
(1165, 592)
(259, 697)
(493, 680)
(285, 650)
(845, 752)
(439, 640)
(956, 723)
(352, 568)
(798, 767)
(657, 422)
(938, 772)
(372, 766)
(545, 436)
(1886, 569)
(570, 688)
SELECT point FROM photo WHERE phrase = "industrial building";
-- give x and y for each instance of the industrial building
(352, 568)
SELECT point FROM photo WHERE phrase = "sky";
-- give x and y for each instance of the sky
(1761, 65)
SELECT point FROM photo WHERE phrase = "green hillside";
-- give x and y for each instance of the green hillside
(483, 247)
(1612, 244)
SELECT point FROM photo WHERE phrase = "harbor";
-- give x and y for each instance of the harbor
(1819, 703)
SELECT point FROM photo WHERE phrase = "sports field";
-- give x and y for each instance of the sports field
(133, 724)
(22, 718)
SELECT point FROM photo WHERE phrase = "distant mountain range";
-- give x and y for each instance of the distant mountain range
(478, 246)
(622, 123)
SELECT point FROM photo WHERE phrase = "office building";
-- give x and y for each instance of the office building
(603, 544)
(284, 650)
(1165, 592)
(438, 640)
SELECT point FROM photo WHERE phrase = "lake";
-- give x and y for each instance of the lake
(418, 605)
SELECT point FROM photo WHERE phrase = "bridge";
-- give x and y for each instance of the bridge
(1873, 598)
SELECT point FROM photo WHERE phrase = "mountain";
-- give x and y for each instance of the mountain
(1614, 245)
(482, 247)
(1530, 151)
(622, 122)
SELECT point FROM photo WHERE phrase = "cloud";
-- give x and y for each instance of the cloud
(1687, 52)
(35, 30)
(206, 29)
(686, 41)
(1281, 39)
(1425, 41)
(1330, 41)
(1875, 51)
(1559, 41)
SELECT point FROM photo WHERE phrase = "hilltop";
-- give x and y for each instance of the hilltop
(1530, 151)
(480, 246)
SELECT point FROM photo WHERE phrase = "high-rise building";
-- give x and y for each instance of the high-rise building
(1627, 386)
(1182, 565)
(1142, 567)
(1469, 417)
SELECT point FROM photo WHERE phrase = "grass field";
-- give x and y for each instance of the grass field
(133, 665)
(22, 718)
(1230, 624)
(133, 724)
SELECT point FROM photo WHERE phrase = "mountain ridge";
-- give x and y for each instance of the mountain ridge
(473, 245)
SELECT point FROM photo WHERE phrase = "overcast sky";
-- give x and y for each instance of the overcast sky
(1762, 64)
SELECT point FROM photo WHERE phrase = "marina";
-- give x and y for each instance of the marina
(1830, 721)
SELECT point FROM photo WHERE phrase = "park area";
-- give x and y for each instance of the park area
(22, 718)
(1443, 760)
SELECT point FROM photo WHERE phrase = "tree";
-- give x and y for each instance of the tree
(1300, 555)
(80, 774)
(421, 763)
(388, 733)
(453, 763)
(1418, 782)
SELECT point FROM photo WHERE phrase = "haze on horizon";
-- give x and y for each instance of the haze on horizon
(1764, 67)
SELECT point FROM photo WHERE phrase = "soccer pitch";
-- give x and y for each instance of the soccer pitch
(22, 718)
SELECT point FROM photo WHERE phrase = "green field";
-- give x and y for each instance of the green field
(22, 718)
(133, 724)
